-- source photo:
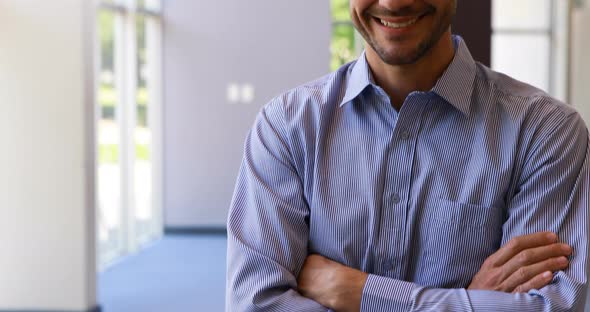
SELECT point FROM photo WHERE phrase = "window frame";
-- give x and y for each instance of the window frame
(126, 73)
(558, 34)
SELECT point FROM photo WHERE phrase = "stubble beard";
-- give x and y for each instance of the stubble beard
(397, 58)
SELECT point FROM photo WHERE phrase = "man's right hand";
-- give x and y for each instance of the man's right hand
(524, 263)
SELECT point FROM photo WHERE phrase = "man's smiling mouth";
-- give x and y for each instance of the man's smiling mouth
(399, 25)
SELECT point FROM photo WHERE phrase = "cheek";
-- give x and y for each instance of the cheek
(361, 3)
(358, 7)
(357, 18)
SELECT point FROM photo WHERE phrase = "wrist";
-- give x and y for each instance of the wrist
(348, 290)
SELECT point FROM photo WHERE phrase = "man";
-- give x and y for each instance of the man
(413, 179)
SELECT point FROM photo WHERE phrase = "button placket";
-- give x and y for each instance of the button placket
(410, 124)
(402, 153)
(397, 186)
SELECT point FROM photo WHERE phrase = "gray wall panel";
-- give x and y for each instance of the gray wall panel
(272, 45)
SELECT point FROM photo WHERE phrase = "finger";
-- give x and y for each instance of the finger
(520, 243)
(535, 255)
(536, 282)
(525, 274)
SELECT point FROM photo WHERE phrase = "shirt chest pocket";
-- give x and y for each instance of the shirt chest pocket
(457, 238)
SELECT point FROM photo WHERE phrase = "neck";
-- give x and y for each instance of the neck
(398, 81)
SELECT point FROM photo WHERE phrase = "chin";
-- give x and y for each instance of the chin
(400, 56)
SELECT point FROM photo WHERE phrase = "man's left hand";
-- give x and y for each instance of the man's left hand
(331, 284)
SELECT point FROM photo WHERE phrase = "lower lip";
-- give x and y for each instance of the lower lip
(398, 31)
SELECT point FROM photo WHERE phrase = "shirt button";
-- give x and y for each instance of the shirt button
(404, 135)
(387, 266)
(395, 198)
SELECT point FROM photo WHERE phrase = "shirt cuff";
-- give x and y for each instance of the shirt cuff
(382, 293)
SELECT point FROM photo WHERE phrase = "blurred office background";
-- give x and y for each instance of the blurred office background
(122, 126)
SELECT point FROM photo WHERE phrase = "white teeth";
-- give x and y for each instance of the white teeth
(399, 25)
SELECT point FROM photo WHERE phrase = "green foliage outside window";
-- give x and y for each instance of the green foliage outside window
(107, 93)
(109, 153)
(107, 96)
(343, 43)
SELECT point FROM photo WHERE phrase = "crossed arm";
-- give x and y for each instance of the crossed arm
(269, 269)
(525, 263)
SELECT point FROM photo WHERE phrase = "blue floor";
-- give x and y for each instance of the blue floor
(176, 274)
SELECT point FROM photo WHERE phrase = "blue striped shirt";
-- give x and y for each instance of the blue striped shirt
(418, 198)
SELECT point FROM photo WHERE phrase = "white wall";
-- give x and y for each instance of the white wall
(580, 71)
(47, 258)
(272, 45)
(580, 65)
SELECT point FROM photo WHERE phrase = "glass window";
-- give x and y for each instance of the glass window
(346, 44)
(530, 42)
(521, 14)
(147, 63)
(342, 46)
(110, 243)
(511, 54)
(151, 5)
(128, 99)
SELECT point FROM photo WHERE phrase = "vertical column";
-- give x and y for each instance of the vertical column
(47, 204)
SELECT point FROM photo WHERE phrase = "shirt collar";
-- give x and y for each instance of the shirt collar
(359, 78)
(455, 85)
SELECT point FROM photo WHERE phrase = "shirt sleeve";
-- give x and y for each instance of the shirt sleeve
(267, 224)
(552, 195)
